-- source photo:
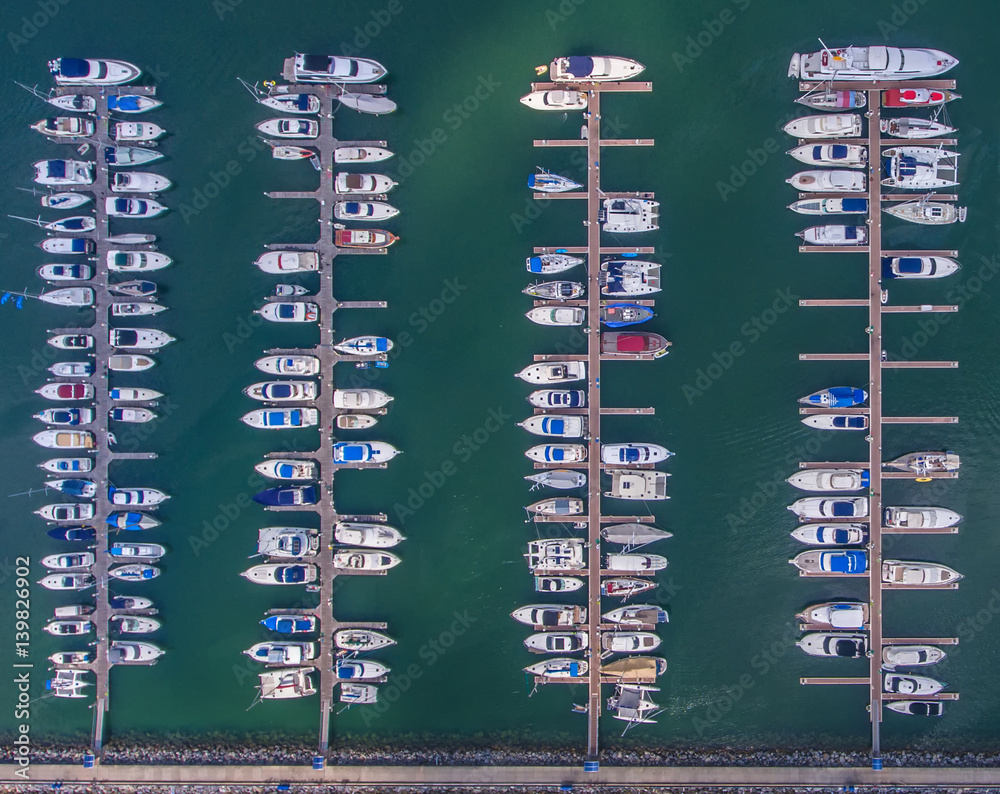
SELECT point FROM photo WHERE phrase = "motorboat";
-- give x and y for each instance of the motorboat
(830, 206)
(831, 534)
(831, 100)
(146, 551)
(292, 103)
(358, 670)
(629, 216)
(301, 366)
(546, 182)
(288, 152)
(361, 154)
(364, 210)
(554, 372)
(282, 653)
(64, 172)
(291, 623)
(290, 312)
(132, 208)
(131, 261)
(286, 683)
(358, 694)
(643, 485)
(139, 182)
(80, 488)
(335, 69)
(593, 69)
(346, 184)
(369, 536)
(634, 454)
(629, 277)
(830, 480)
(894, 656)
(924, 462)
(836, 397)
(634, 669)
(288, 469)
(303, 129)
(637, 615)
(66, 417)
(280, 573)
(76, 246)
(65, 439)
(558, 398)
(633, 704)
(550, 616)
(844, 645)
(830, 181)
(125, 156)
(842, 615)
(559, 668)
(917, 97)
(70, 296)
(282, 390)
(134, 572)
(633, 534)
(131, 624)
(557, 642)
(551, 263)
(633, 344)
(363, 452)
(635, 563)
(917, 708)
(557, 453)
(66, 391)
(366, 103)
(130, 362)
(363, 238)
(560, 479)
(557, 100)
(62, 562)
(917, 574)
(281, 262)
(281, 418)
(126, 651)
(875, 62)
(136, 131)
(67, 581)
(92, 71)
(918, 266)
(287, 542)
(65, 127)
(134, 395)
(68, 465)
(136, 497)
(919, 517)
(355, 421)
(848, 561)
(360, 560)
(360, 399)
(361, 640)
(836, 421)
(71, 657)
(132, 521)
(131, 103)
(825, 507)
(914, 127)
(71, 342)
(78, 103)
(557, 426)
(289, 290)
(629, 641)
(562, 506)
(288, 496)
(555, 290)
(133, 289)
(556, 554)
(139, 338)
(839, 125)
(625, 586)
(920, 167)
(928, 213)
(619, 315)
(838, 155)
(557, 584)
(364, 346)
(65, 201)
(913, 685)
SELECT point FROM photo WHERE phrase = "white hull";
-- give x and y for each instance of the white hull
(840, 125)
(301, 366)
(554, 372)
(822, 507)
(874, 62)
(361, 154)
(369, 536)
(281, 262)
(296, 129)
(558, 101)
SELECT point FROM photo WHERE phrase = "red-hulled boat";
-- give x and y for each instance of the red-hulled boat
(916, 97)
(620, 343)
(363, 238)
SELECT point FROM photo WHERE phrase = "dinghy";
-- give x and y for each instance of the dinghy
(361, 154)
(551, 263)
(64, 172)
(560, 479)
(912, 127)
(364, 210)
(369, 536)
(593, 69)
(281, 419)
(335, 69)
(556, 426)
(547, 182)
(345, 183)
(830, 206)
(874, 62)
(139, 182)
(558, 100)
(65, 127)
(558, 398)
(917, 97)
(290, 312)
(287, 469)
(92, 71)
(625, 277)
(928, 213)
(557, 453)
(555, 290)
(554, 372)
(620, 315)
(281, 262)
(282, 391)
(841, 125)
(832, 154)
(367, 103)
(303, 129)
(135, 131)
(361, 640)
(131, 103)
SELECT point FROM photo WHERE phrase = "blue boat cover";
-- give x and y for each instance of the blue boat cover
(381, 344)
(286, 310)
(574, 668)
(628, 455)
(838, 151)
(910, 264)
(56, 168)
(284, 469)
(280, 390)
(580, 66)
(817, 152)
(555, 453)
(352, 207)
(302, 101)
(907, 166)
(121, 205)
(851, 232)
(128, 102)
(848, 562)
(841, 536)
(73, 67)
(844, 396)
(73, 224)
(353, 452)
(79, 245)
(535, 264)
(347, 670)
(865, 478)
(854, 205)
(842, 509)
(292, 574)
(75, 487)
(555, 426)
(531, 180)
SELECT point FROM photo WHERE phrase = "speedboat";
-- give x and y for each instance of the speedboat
(928, 213)
(564, 506)
(643, 485)
(360, 399)
(146, 551)
(363, 452)
(65, 439)
(71, 342)
(557, 642)
(875, 62)
(560, 479)
(141, 497)
(557, 100)
(630, 216)
(550, 616)
(282, 390)
(557, 453)
(139, 182)
(70, 296)
(916, 97)
(288, 262)
(913, 127)
(301, 366)
(832, 154)
(335, 69)
(67, 465)
(125, 651)
(364, 210)
(134, 131)
(80, 488)
(355, 421)
(65, 127)
(619, 315)
(551, 263)
(366, 103)
(287, 469)
(282, 654)
(629, 277)
(66, 391)
(825, 507)
(129, 624)
(364, 346)
(130, 309)
(547, 182)
(843, 645)
(633, 454)
(360, 560)
(633, 344)
(920, 168)
(635, 563)
(134, 289)
(555, 290)
(134, 572)
(64, 172)
(848, 561)
(65, 201)
(844, 615)
(633, 704)
(629, 641)
(831, 534)
(125, 156)
(291, 623)
(277, 573)
(915, 685)
(289, 290)
(132, 103)
(829, 182)
(555, 425)
(345, 183)
(829, 99)
(288, 496)
(67, 581)
(918, 266)
(633, 534)
(62, 562)
(131, 261)
(66, 417)
(281, 418)
(139, 338)
(130, 363)
(286, 683)
(292, 103)
(558, 398)
(363, 238)
(65, 272)
(355, 670)
(827, 480)
(894, 656)
(919, 517)
(836, 397)
(361, 640)
(556, 554)
(361, 154)
(369, 536)
(917, 708)
(557, 584)
(593, 69)
(830, 206)
(67, 245)
(558, 668)
(92, 71)
(132, 521)
(923, 462)
(554, 372)
(637, 615)
(625, 587)
(288, 542)
(132, 208)
(303, 129)
(840, 125)
(836, 421)
(290, 312)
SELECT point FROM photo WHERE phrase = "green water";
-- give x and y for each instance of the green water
(733, 678)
